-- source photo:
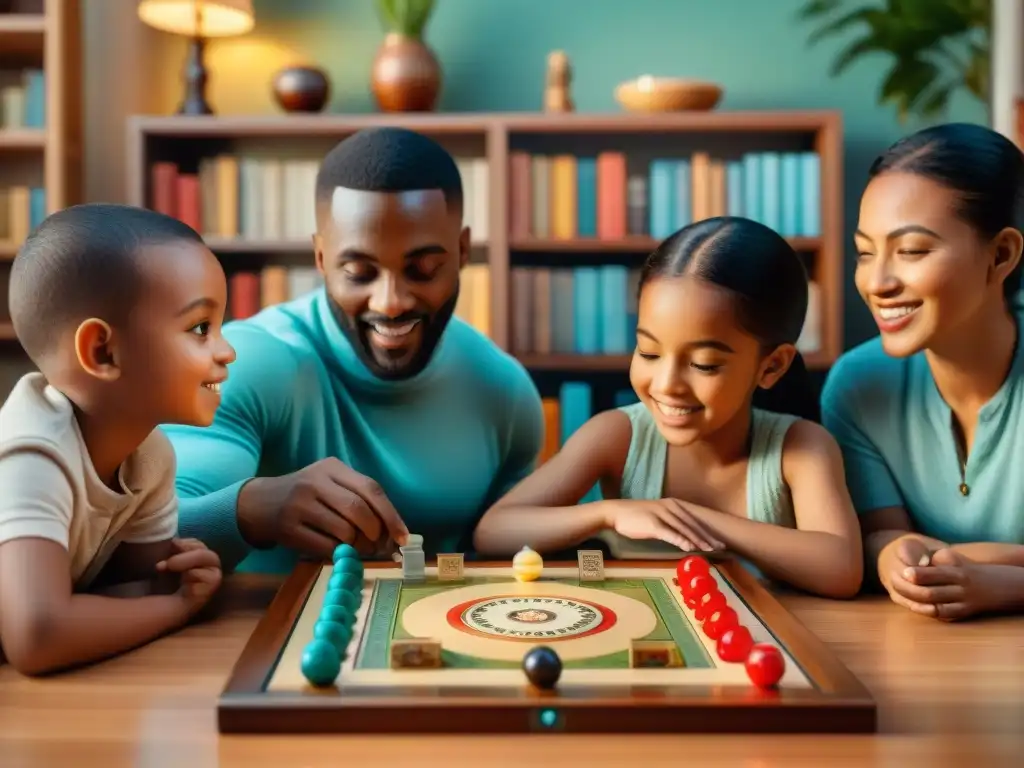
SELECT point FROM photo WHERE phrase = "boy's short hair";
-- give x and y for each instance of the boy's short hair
(389, 160)
(82, 262)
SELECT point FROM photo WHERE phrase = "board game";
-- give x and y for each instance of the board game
(571, 647)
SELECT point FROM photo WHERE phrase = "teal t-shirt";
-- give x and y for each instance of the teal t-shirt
(899, 448)
(444, 444)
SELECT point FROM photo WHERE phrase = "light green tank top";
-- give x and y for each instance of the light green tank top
(643, 476)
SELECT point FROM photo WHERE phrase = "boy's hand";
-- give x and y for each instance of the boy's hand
(199, 568)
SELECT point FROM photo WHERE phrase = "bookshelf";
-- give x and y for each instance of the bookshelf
(492, 141)
(40, 133)
(247, 184)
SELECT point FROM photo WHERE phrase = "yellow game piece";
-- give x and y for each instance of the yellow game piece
(527, 565)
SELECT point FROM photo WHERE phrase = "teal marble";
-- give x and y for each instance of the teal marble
(345, 552)
(350, 582)
(348, 565)
(339, 614)
(321, 663)
(343, 597)
(337, 634)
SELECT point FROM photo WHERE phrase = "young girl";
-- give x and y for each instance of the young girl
(930, 415)
(694, 465)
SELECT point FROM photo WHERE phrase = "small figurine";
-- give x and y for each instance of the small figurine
(527, 565)
(557, 94)
(413, 560)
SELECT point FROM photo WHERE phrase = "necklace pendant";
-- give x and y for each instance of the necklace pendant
(964, 489)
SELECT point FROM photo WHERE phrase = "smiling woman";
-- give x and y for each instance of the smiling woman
(930, 414)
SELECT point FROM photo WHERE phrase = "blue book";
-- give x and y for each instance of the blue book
(35, 99)
(36, 206)
(586, 196)
(752, 187)
(625, 397)
(614, 319)
(734, 188)
(587, 310)
(771, 190)
(790, 194)
(810, 194)
(684, 195)
(562, 311)
(662, 198)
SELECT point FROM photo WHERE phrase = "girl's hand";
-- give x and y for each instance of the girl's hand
(950, 588)
(668, 520)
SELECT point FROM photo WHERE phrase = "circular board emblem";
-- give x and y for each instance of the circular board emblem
(542, 617)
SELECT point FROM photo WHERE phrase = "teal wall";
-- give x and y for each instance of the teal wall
(493, 54)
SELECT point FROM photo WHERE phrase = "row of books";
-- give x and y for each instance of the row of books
(592, 311)
(22, 209)
(563, 197)
(250, 291)
(23, 99)
(581, 310)
(261, 199)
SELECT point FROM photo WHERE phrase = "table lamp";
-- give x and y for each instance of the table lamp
(199, 19)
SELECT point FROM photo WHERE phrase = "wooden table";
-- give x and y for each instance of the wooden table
(948, 695)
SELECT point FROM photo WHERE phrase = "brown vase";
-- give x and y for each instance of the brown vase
(406, 75)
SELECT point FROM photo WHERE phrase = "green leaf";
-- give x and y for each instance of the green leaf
(935, 103)
(853, 51)
(976, 77)
(818, 8)
(408, 17)
(838, 25)
(906, 82)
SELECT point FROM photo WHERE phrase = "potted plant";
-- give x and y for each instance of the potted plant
(406, 75)
(937, 46)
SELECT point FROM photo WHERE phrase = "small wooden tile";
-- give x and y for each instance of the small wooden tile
(591, 564)
(654, 653)
(415, 654)
(450, 567)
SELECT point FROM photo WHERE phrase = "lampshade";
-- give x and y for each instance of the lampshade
(217, 18)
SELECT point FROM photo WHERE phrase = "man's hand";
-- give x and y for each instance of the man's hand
(950, 588)
(315, 509)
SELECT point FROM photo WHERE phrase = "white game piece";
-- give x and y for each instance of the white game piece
(450, 567)
(413, 560)
(591, 562)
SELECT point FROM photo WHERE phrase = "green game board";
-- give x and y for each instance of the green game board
(392, 596)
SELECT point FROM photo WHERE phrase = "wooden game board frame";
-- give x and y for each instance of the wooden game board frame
(838, 702)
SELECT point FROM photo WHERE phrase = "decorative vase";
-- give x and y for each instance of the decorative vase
(406, 75)
(301, 89)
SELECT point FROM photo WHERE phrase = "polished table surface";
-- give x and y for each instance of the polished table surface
(948, 695)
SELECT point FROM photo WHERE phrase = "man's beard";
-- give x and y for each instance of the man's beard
(406, 365)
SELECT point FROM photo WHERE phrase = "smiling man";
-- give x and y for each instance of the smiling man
(363, 410)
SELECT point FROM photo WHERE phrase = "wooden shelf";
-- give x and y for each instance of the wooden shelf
(625, 246)
(17, 24)
(249, 126)
(7, 332)
(602, 363)
(22, 138)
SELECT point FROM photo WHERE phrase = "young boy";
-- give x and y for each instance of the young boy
(120, 309)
